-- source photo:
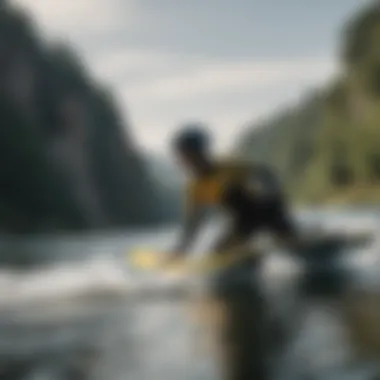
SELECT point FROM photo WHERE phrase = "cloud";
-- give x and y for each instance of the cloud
(214, 78)
(124, 63)
(70, 18)
(154, 74)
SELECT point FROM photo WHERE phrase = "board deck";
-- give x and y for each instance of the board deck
(150, 260)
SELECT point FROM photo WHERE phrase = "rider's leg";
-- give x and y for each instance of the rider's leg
(236, 294)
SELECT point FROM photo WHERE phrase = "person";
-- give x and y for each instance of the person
(250, 197)
(237, 186)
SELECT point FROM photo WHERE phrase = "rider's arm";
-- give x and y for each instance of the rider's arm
(192, 220)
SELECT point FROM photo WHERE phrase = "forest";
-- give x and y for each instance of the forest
(326, 147)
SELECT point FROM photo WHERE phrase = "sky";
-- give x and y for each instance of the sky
(225, 63)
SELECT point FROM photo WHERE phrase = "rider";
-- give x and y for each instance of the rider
(242, 190)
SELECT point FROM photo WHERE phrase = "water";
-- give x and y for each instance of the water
(76, 317)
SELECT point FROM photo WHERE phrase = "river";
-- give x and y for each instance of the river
(72, 316)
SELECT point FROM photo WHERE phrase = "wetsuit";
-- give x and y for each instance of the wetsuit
(237, 187)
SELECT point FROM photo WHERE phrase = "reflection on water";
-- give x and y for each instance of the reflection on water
(75, 318)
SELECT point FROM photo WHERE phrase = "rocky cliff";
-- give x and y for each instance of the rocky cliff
(66, 160)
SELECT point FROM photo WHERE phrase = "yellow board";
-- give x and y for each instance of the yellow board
(149, 260)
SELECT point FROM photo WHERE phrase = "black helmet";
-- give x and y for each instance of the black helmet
(192, 138)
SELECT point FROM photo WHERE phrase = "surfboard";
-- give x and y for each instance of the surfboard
(151, 260)
(148, 259)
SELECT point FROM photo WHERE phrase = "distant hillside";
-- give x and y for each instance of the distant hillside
(170, 181)
(67, 161)
(287, 140)
(327, 147)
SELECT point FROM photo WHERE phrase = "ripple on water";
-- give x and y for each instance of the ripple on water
(59, 311)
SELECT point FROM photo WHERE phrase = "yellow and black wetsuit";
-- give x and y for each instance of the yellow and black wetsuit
(236, 187)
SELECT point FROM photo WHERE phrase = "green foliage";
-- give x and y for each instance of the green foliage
(285, 142)
(329, 144)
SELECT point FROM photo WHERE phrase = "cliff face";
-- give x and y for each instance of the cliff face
(327, 147)
(66, 161)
